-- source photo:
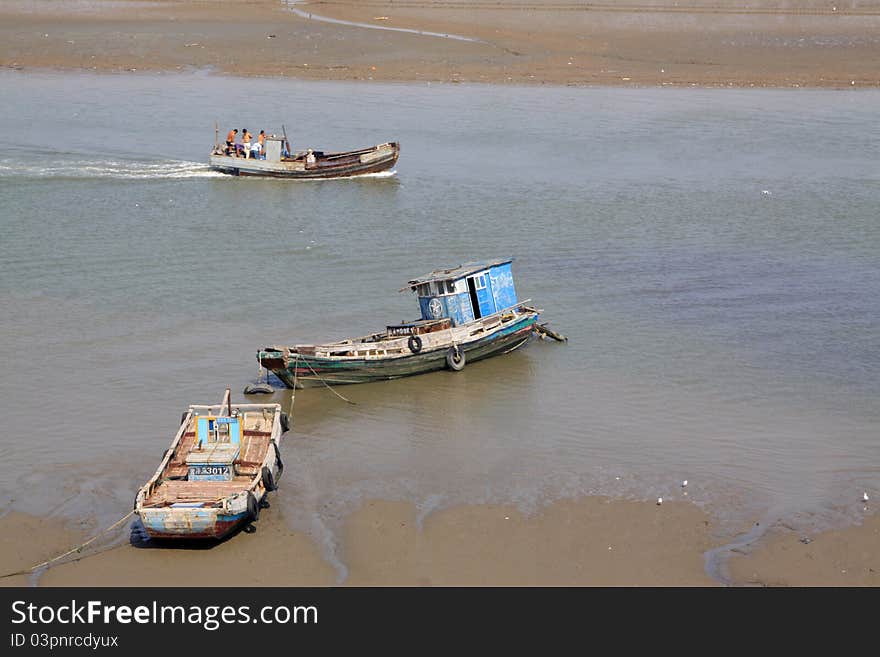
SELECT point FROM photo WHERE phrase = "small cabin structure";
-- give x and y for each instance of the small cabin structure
(273, 148)
(465, 293)
(217, 444)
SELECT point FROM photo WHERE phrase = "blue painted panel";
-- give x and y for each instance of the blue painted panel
(206, 425)
(203, 427)
(453, 310)
(432, 311)
(484, 297)
(234, 431)
(466, 311)
(503, 289)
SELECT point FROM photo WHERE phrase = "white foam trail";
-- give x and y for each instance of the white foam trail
(128, 170)
(109, 169)
(378, 174)
(326, 19)
(360, 176)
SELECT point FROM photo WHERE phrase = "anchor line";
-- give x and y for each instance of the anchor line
(78, 548)
(293, 390)
(324, 382)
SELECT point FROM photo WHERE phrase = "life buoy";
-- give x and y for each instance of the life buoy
(455, 359)
(268, 479)
(415, 344)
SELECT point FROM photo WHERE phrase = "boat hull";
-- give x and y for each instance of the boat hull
(171, 523)
(303, 371)
(333, 165)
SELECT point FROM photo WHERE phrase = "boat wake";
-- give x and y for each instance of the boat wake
(378, 174)
(338, 21)
(119, 169)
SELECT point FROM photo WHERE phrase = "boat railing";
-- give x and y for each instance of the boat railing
(312, 349)
(212, 408)
(513, 308)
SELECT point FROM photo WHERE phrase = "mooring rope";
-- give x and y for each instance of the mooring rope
(293, 390)
(78, 548)
(329, 387)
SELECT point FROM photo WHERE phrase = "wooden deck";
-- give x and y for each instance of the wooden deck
(173, 487)
(173, 491)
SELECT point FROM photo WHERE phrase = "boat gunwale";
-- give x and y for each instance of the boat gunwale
(518, 308)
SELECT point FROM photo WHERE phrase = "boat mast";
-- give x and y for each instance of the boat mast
(286, 142)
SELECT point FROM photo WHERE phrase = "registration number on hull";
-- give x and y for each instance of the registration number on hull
(209, 471)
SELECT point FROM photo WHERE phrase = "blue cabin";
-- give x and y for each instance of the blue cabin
(467, 292)
(217, 445)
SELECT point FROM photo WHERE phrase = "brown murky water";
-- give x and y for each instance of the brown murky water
(712, 255)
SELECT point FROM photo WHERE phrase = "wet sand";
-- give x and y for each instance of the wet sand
(537, 42)
(848, 557)
(588, 542)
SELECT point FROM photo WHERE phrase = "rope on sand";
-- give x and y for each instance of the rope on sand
(78, 548)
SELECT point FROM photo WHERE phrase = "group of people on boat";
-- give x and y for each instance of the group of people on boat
(244, 145)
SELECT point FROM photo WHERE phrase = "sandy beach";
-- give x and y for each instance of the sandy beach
(589, 542)
(539, 42)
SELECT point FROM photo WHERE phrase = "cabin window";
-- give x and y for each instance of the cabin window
(480, 282)
(450, 287)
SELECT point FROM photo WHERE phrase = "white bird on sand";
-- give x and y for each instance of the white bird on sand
(864, 497)
(659, 501)
(684, 483)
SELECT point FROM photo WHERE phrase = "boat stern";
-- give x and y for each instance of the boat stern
(197, 520)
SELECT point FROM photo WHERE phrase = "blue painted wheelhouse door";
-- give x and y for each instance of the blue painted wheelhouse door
(481, 295)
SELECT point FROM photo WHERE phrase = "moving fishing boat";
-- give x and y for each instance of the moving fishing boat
(469, 312)
(222, 463)
(277, 160)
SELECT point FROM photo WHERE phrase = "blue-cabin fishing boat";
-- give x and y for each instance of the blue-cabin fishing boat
(468, 312)
(222, 463)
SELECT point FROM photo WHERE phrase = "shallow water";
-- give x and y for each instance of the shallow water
(713, 256)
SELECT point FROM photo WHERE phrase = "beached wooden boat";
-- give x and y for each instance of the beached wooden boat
(277, 161)
(469, 312)
(215, 477)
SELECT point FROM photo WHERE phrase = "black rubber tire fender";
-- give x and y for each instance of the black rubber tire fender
(183, 417)
(455, 359)
(414, 343)
(253, 507)
(285, 422)
(279, 464)
(268, 479)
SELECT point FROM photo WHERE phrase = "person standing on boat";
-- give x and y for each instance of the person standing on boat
(238, 146)
(246, 142)
(230, 141)
(257, 147)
